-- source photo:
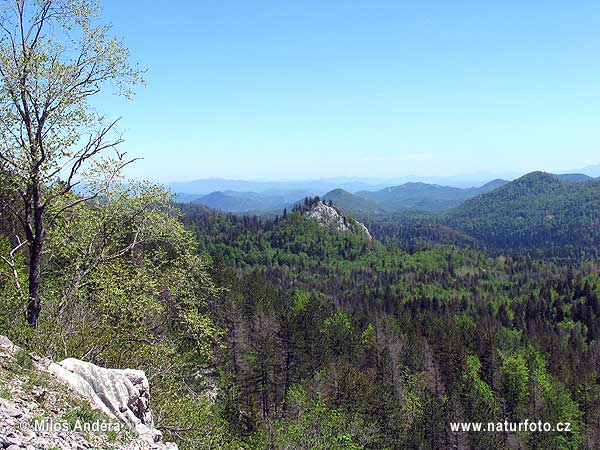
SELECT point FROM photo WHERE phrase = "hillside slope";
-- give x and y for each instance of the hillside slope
(44, 405)
(538, 212)
(351, 203)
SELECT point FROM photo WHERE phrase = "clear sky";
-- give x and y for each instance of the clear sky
(308, 89)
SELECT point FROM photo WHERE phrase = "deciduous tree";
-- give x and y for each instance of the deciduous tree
(55, 56)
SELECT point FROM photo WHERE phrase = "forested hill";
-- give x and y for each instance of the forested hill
(333, 338)
(352, 204)
(247, 242)
(539, 213)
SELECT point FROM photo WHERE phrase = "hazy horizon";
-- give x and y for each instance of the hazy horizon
(592, 170)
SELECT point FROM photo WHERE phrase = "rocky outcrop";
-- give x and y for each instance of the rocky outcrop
(329, 215)
(121, 394)
(36, 391)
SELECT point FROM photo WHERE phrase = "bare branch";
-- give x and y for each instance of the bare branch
(95, 195)
(11, 261)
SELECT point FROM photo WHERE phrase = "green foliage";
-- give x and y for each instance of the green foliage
(403, 342)
(187, 416)
(5, 393)
(537, 214)
(478, 392)
(124, 287)
(116, 269)
(24, 361)
(557, 406)
(315, 338)
(12, 295)
(317, 427)
(514, 383)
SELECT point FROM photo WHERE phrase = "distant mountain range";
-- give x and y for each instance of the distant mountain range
(311, 187)
(576, 177)
(592, 171)
(425, 197)
(353, 204)
(541, 214)
(198, 188)
(411, 196)
(406, 197)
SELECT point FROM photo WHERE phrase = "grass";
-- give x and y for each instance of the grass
(111, 436)
(39, 417)
(24, 361)
(5, 393)
(6, 378)
(36, 379)
(83, 414)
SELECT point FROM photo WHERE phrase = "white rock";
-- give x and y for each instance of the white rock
(6, 344)
(121, 394)
(9, 409)
(14, 441)
(331, 216)
(79, 385)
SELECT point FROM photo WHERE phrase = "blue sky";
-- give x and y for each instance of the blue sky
(310, 89)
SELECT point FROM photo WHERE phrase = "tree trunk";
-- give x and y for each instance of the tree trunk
(34, 306)
(36, 249)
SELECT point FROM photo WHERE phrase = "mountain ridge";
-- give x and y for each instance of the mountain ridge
(538, 212)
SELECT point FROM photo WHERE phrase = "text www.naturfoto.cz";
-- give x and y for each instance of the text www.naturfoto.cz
(511, 427)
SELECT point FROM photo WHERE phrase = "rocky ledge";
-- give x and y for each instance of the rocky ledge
(329, 215)
(72, 405)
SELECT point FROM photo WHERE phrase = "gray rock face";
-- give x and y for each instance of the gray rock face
(7, 345)
(331, 216)
(121, 394)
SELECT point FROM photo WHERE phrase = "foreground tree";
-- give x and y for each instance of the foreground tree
(124, 287)
(54, 56)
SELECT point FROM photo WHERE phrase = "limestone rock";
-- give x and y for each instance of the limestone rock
(123, 394)
(8, 409)
(7, 345)
(331, 216)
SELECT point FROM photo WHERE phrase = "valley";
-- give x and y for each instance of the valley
(423, 325)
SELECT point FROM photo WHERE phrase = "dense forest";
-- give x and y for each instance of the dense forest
(539, 215)
(396, 344)
(285, 333)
